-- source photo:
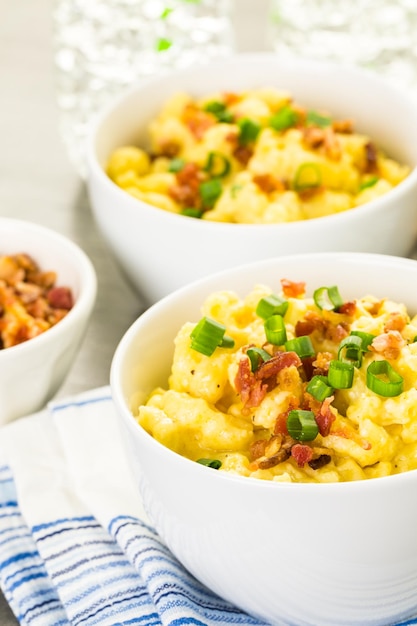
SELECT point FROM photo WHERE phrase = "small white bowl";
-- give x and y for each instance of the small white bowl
(307, 554)
(161, 251)
(33, 371)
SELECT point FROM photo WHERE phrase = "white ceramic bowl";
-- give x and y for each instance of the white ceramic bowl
(160, 251)
(294, 554)
(33, 371)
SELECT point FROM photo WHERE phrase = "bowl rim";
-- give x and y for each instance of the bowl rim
(96, 171)
(82, 304)
(125, 415)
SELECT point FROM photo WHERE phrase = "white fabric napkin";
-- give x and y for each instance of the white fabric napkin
(76, 547)
(75, 544)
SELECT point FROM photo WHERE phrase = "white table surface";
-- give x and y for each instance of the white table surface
(38, 183)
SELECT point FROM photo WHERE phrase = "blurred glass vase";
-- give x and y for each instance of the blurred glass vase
(102, 47)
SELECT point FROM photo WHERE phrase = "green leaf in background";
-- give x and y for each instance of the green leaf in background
(163, 44)
(167, 11)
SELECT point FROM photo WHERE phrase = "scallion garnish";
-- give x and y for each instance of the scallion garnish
(307, 176)
(219, 110)
(317, 119)
(382, 379)
(340, 374)
(176, 165)
(301, 346)
(213, 463)
(350, 350)
(210, 191)
(207, 335)
(227, 342)
(191, 212)
(217, 164)
(319, 388)
(367, 338)
(275, 330)
(302, 425)
(271, 305)
(370, 182)
(249, 130)
(257, 356)
(328, 298)
(283, 119)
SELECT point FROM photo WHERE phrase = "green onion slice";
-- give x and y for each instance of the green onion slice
(176, 165)
(317, 119)
(370, 182)
(191, 212)
(340, 374)
(227, 342)
(307, 176)
(275, 330)
(257, 356)
(381, 378)
(219, 110)
(249, 130)
(213, 463)
(217, 164)
(210, 191)
(163, 44)
(350, 350)
(319, 388)
(328, 298)
(207, 335)
(271, 305)
(302, 425)
(367, 338)
(301, 346)
(283, 119)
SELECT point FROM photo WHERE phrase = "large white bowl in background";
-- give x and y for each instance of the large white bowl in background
(160, 251)
(313, 554)
(32, 372)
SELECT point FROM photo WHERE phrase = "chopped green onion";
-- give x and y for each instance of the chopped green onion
(307, 176)
(257, 356)
(271, 305)
(415, 339)
(367, 338)
(167, 11)
(207, 335)
(213, 463)
(191, 212)
(217, 164)
(350, 350)
(283, 119)
(327, 298)
(319, 388)
(176, 165)
(249, 130)
(210, 191)
(275, 330)
(381, 378)
(219, 110)
(370, 182)
(227, 342)
(302, 425)
(317, 119)
(301, 346)
(163, 44)
(340, 374)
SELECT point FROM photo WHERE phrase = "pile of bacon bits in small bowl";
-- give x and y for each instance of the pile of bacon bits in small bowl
(30, 300)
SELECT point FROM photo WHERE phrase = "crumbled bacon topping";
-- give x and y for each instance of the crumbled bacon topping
(388, 344)
(292, 289)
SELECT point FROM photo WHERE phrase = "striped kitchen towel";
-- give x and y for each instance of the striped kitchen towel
(76, 547)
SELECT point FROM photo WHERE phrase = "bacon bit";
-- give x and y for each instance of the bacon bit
(197, 121)
(388, 344)
(337, 332)
(301, 453)
(371, 158)
(325, 417)
(307, 194)
(60, 298)
(348, 308)
(243, 154)
(280, 426)
(292, 289)
(232, 137)
(344, 127)
(230, 98)
(322, 362)
(320, 461)
(311, 322)
(267, 453)
(332, 146)
(313, 136)
(187, 191)
(257, 449)
(395, 321)
(269, 183)
(169, 148)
